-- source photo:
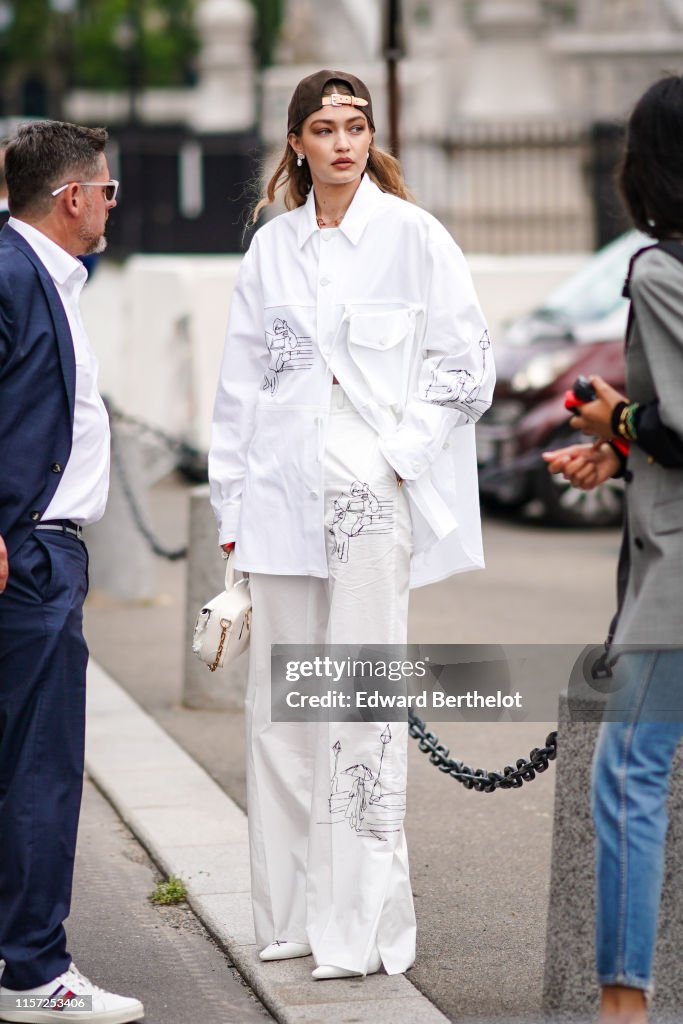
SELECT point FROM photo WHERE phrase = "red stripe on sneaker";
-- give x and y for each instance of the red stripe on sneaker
(60, 997)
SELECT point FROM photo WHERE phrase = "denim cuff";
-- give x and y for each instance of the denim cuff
(629, 981)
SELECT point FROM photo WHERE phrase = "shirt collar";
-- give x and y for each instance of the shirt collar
(355, 219)
(60, 264)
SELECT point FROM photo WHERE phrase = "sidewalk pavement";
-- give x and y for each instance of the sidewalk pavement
(161, 955)
(479, 862)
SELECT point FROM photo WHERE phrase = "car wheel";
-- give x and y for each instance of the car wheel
(564, 505)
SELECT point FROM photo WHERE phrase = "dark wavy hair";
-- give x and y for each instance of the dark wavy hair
(650, 176)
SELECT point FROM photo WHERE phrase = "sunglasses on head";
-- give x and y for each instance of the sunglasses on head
(110, 188)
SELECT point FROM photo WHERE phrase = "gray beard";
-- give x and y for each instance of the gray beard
(91, 245)
(99, 246)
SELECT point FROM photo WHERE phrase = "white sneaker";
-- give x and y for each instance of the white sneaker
(68, 998)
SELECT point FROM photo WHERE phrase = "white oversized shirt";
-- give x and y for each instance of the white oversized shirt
(385, 303)
(81, 494)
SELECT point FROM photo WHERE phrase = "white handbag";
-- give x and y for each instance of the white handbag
(221, 632)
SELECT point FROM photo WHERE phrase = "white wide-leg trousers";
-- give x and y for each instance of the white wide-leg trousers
(326, 801)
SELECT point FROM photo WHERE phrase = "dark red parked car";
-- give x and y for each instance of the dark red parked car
(578, 330)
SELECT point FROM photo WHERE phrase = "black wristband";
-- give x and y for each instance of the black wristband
(621, 472)
(657, 440)
(616, 416)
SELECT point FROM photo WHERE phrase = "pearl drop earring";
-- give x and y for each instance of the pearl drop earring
(300, 159)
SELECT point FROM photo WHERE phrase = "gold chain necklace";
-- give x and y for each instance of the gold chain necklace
(332, 224)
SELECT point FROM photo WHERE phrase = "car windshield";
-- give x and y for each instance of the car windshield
(594, 291)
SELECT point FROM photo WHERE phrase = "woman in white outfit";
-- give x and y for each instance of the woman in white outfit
(387, 367)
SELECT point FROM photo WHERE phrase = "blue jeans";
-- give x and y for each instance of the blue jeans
(641, 729)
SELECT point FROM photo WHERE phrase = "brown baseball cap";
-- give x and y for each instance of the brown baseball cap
(308, 97)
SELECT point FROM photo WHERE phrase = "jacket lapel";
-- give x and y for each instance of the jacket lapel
(61, 324)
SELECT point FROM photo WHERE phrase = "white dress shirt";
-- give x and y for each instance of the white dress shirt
(385, 303)
(81, 494)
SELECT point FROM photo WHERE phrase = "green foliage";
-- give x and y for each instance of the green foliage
(27, 36)
(171, 891)
(103, 44)
(152, 42)
(269, 14)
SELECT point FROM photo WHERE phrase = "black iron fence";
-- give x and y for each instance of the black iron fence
(181, 192)
(521, 187)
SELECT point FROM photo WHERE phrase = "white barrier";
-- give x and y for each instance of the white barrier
(157, 326)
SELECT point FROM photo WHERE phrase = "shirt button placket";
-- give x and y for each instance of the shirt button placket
(325, 291)
(325, 315)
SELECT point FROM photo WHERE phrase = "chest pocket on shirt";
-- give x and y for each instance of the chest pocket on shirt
(381, 346)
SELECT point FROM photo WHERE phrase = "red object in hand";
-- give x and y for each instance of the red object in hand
(572, 402)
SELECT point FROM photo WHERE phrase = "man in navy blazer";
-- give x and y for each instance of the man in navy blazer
(54, 477)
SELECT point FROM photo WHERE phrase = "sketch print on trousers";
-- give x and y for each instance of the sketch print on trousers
(358, 797)
(357, 511)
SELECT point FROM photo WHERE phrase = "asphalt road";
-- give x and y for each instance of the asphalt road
(480, 862)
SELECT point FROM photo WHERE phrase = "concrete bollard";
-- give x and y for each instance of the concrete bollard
(224, 688)
(570, 987)
(121, 562)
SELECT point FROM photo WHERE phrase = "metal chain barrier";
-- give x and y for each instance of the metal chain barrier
(478, 778)
(184, 451)
(180, 448)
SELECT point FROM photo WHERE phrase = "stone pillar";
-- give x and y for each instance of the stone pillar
(224, 688)
(511, 75)
(614, 52)
(225, 95)
(337, 36)
(625, 15)
(570, 989)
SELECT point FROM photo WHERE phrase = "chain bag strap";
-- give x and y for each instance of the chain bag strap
(223, 626)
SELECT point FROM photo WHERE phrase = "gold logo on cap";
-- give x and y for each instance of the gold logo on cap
(338, 99)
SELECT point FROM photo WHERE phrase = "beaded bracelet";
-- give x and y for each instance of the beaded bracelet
(626, 427)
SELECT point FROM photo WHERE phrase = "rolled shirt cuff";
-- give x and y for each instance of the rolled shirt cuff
(228, 519)
(408, 464)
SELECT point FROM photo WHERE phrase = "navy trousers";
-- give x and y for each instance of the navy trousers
(43, 659)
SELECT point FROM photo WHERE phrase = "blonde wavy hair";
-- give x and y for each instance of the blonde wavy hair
(382, 168)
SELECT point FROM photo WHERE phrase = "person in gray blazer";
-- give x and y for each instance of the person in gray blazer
(643, 721)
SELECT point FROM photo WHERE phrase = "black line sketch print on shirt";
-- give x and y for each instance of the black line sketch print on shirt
(361, 799)
(287, 351)
(461, 387)
(356, 511)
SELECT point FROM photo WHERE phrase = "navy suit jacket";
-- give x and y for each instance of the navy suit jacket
(37, 389)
